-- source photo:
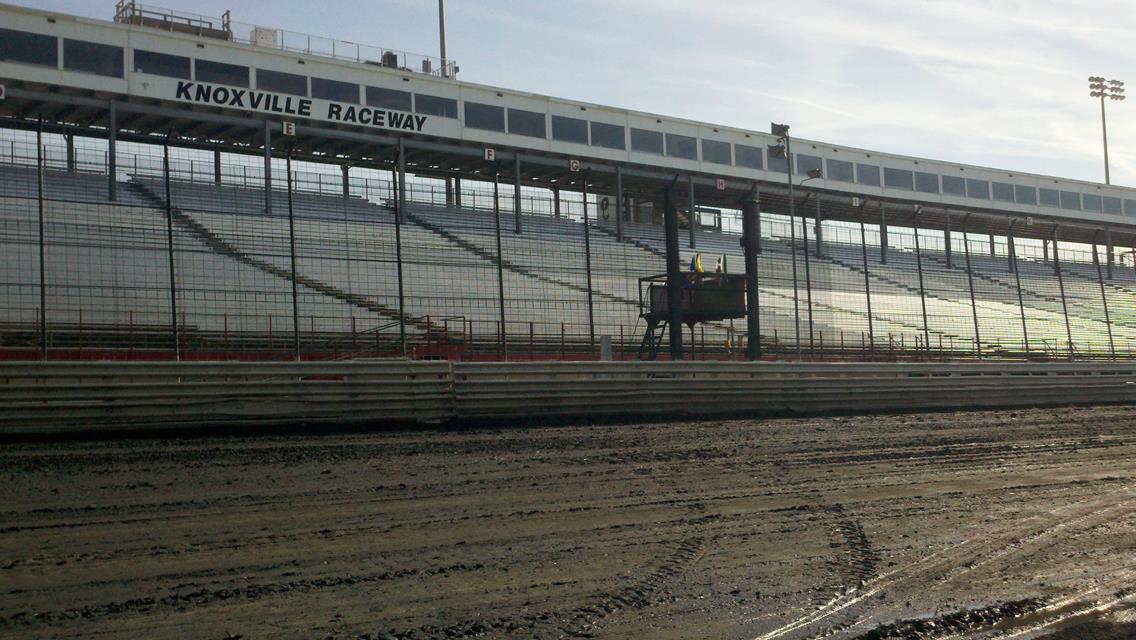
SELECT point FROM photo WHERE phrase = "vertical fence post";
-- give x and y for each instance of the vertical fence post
(399, 216)
(919, 271)
(796, 289)
(1104, 298)
(267, 167)
(1108, 250)
(517, 193)
(174, 327)
(1061, 286)
(1013, 258)
(500, 274)
(619, 205)
(751, 221)
(691, 216)
(42, 245)
(883, 234)
(867, 288)
(947, 238)
(808, 276)
(292, 256)
(970, 286)
(216, 166)
(817, 229)
(674, 270)
(588, 269)
(112, 135)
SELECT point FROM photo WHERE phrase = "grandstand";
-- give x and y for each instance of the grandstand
(493, 224)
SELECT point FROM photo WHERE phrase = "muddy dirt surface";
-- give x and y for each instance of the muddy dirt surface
(1011, 524)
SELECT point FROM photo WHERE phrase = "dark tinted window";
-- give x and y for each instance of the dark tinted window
(1002, 191)
(435, 106)
(926, 182)
(1130, 207)
(335, 90)
(161, 64)
(867, 174)
(806, 164)
(527, 123)
(954, 185)
(898, 179)
(569, 129)
(1025, 195)
(840, 170)
(388, 98)
(92, 57)
(977, 189)
(1112, 205)
(1091, 202)
(646, 141)
(32, 48)
(716, 151)
(279, 82)
(1070, 200)
(682, 146)
(221, 73)
(746, 156)
(1047, 197)
(780, 165)
(608, 135)
(484, 116)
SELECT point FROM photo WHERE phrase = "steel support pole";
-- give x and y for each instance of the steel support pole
(1013, 258)
(817, 228)
(588, 267)
(808, 277)
(292, 257)
(1104, 300)
(883, 234)
(69, 139)
(867, 290)
(1104, 138)
(1061, 286)
(674, 270)
(922, 291)
(399, 218)
(501, 336)
(556, 202)
(947, 238)
(267, 167)
(457, 193)
(216, 166)
(620, 209)
(42, 243)
(796, 291)
(346, 174)
(970, 286)
(691, 216)
(750, 222)
(1110, 253)
(112, 163)
(174, 328)
(993, 249)
(517, 193)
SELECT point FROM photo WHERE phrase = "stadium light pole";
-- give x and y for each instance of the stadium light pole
(442, 35)
(1113, 90)
(783, 150)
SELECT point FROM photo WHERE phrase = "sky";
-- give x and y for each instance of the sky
(997, 83)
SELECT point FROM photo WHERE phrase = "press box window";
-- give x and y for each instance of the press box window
(484, 116)
(279, 82)
(749, 157)
(1048, 197)
(646, 141)
(161, 64)
(977, 189)
(568, 129)
(716, 151)
(609, 136)
(777, 162)
(221, 73)
(31, 48)
(527, 123)
(92, 57)
(388, 98)
(335, 90)
(1025, 195)
(954, 186)
(1111, 205)
(435, 106)
(1070, 200)
(682, 146)
(1002, 192)
(926, 182)
(1130, 207)
(1091, 202)
(840, 170)
(867, 174)
(806, 164)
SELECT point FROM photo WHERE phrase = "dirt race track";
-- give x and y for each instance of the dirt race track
(1012, 524)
